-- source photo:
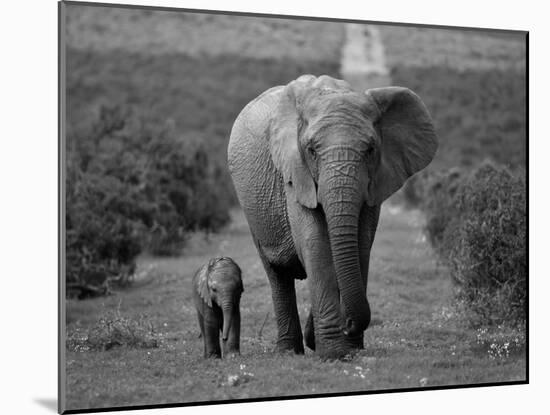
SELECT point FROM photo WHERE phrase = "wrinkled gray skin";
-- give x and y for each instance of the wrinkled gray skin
(217, 289)
(311, 163)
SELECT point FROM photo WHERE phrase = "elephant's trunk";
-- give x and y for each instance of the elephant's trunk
(227, 321)
(342, 199)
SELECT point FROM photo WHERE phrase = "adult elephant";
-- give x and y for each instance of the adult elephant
(311, 163)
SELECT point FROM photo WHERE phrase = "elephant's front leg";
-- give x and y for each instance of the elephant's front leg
(212, 334)
(283, 292)
(327, 338)
(324, 328)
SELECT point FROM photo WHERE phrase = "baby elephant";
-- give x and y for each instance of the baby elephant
(217, 289)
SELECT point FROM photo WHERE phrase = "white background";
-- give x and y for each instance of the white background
(28, 96)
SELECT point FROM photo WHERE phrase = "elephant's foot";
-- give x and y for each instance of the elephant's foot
(213, 355)
(230, 351)
(231, 355)
(339, 352)
(285, 345)
(338, 347)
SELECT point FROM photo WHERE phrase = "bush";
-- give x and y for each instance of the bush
(477, 224)
(438, 191)
(133, 186)
(114, 330)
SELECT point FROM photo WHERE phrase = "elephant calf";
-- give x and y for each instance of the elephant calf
(217, 289)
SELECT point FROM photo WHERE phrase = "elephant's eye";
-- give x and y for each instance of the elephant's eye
(312, 152)
(214, 289)
(370, 150)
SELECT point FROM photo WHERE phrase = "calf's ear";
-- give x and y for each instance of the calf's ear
(202, 285)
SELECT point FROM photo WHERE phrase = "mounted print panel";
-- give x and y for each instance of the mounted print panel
(261, 207)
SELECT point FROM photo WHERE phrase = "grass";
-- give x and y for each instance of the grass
(416, 337)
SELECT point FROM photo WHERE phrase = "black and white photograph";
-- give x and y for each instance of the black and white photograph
(258, 207)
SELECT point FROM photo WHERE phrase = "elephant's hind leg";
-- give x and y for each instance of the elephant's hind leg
(283, 292)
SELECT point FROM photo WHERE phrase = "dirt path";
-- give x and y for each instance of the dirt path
(363, 61)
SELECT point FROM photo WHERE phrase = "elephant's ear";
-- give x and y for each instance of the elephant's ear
(408, 140)
(285, 150)
(202, 285)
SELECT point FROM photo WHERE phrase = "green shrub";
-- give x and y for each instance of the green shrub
(133, 186)
(114, 330)
(477, 224)
(438, 192)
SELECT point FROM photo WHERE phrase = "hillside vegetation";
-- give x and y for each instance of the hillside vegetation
(199, 34)
(473, 83)
(174, 83)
